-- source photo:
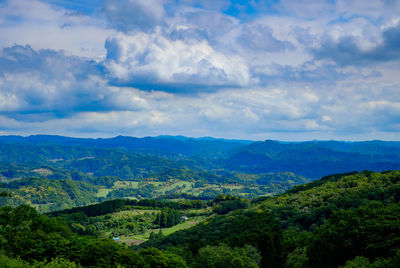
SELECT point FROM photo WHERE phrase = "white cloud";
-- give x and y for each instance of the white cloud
(297, 71)
(44, 26)
(260, 113)
(153, 60)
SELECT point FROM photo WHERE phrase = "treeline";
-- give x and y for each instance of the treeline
(182, 196)
(33, 238)
(223, 204)
(242, 228)
(95, 209)
(28, 239)
(168, 217)
(323, 180)
(111, 206)
(49, 194)
(180, 205)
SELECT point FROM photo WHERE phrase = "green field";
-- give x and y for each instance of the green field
(140, 238)
(177, 183)
(103, 192)
(126, 184)
(132, 213)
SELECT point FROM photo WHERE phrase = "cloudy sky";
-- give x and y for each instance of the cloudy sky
(266, 69)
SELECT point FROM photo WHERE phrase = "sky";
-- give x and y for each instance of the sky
(288, 70)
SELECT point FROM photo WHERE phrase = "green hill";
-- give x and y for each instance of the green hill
(343, 220)
(322, 224)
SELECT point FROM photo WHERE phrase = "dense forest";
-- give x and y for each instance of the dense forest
(54, 173)
(182, 202)
(346, 220)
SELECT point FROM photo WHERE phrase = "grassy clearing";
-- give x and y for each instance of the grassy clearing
(161, 187)
(130, 241)
(103, 192)
(247, 177)
(126, 184)
(199, 211)
(43, 171)
(131, 213)
(185, 184)
(167, 231)
(150, 181)
(167, 186)
(217, 187)
(232, 186)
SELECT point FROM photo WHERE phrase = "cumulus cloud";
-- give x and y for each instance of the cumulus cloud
(353, 50)
(209, 24)
(46, 91)
(43, 26)
(280, 113)
(151, 61)
(47, 82)
(292, 70)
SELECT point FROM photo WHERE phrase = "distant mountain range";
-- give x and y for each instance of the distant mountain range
(315, 159)
(312, 159)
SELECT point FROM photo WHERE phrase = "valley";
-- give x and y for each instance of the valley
(166, 202)
(199, 134)
(54, 172)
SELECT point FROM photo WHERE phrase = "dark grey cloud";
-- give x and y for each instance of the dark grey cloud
(347, 50)
(47, 63)
(49, 84)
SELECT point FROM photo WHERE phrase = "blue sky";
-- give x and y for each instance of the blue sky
(286, 70)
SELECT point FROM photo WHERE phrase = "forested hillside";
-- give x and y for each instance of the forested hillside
(315, 159)
(143, 156)
(351, 218)
(180, 202)
(85, 171)
(346, 220)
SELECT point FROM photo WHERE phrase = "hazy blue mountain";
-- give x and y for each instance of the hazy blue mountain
(315, 159)
(129, 156)
(168, 145)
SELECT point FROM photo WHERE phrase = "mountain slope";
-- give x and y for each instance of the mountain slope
(325, 223)
(349, 220)
(313, 159)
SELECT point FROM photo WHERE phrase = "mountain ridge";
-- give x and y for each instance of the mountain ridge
(312, 159)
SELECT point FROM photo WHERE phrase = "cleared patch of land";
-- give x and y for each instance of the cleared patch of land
(126, 184)
(43, 171)
(103, 192)
(132, 213)
(140, 238)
